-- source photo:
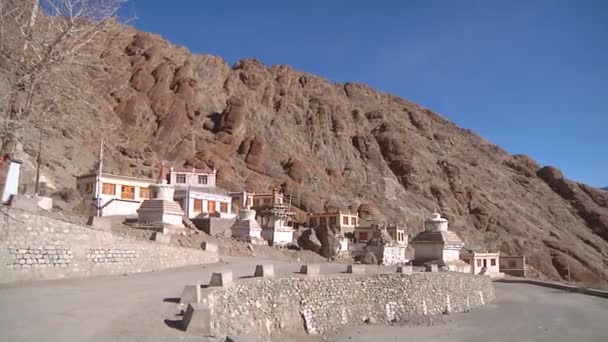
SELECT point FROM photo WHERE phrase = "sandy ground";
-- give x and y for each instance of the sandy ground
(142, 308)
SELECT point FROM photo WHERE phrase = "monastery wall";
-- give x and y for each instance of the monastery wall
(323, 303)
(36, 247)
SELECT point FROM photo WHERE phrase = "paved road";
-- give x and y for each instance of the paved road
(521, 312)
(140, 308)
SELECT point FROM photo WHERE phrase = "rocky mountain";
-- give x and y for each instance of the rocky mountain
(328, 145)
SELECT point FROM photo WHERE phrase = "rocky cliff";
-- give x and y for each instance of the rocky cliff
(329, 145)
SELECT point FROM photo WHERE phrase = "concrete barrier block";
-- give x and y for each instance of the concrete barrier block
(162, 238)
(191, 294)
(355, 269)
(209, 246)
(404, 269)
(265, 271)
(311, 269)
(197, 319)
(431, 268)
(223, 278)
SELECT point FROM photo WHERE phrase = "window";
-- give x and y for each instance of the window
(266, 200)
(512, 264)
(256, 202)
(353, 221)
(478, 262)
(332, 220)
(345, 220)
(492, 262)
(211, 207)
(202, 179)
(88, 188)
(363, 236)
(144, 193)
(108, 189)
(322, 221)
(313, 221)
(223, 207)
(198, 205)
(127, 192)
(180, 178)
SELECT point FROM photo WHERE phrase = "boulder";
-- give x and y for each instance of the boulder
(330, 240)
(368, 258)
(308, 240)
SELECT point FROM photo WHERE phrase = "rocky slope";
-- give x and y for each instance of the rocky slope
(329, 145)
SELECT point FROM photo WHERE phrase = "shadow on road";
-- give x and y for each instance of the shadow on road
(175, 324)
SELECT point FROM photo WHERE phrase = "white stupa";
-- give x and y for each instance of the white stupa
(246, 226)
(161, 209)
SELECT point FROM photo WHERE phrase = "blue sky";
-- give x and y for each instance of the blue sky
(530, 76)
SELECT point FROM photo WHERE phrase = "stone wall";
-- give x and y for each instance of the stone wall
(318, 304)
(35, 247)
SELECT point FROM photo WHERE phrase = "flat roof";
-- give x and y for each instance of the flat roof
(103, 174)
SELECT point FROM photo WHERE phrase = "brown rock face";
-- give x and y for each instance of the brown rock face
(331, 145)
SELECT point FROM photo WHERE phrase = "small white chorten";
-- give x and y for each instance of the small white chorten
(436, 244)
(246, 226)
(161, 208)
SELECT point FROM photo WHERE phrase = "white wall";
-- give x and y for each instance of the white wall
(206, 198)
(12, 181)
(281, 237)
(112, 204)
(118, 207)
(451, 255)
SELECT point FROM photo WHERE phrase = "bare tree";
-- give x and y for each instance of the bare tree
(45, 47)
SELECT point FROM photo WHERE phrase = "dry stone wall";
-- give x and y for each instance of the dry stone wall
(320, 304)
(35, 247)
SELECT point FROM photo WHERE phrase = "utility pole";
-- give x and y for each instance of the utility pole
(38, 162)
(98, 181)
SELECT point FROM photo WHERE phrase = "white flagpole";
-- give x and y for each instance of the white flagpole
(98, 181)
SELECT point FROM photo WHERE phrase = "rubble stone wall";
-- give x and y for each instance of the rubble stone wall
(36, 247)
(319, 304)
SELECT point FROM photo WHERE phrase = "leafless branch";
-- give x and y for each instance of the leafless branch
(49, 43)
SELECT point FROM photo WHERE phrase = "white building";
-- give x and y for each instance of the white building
(365, 232)
(483, 263)
(9, 177)
(198, 195)
(118, 195)
(345, 220)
